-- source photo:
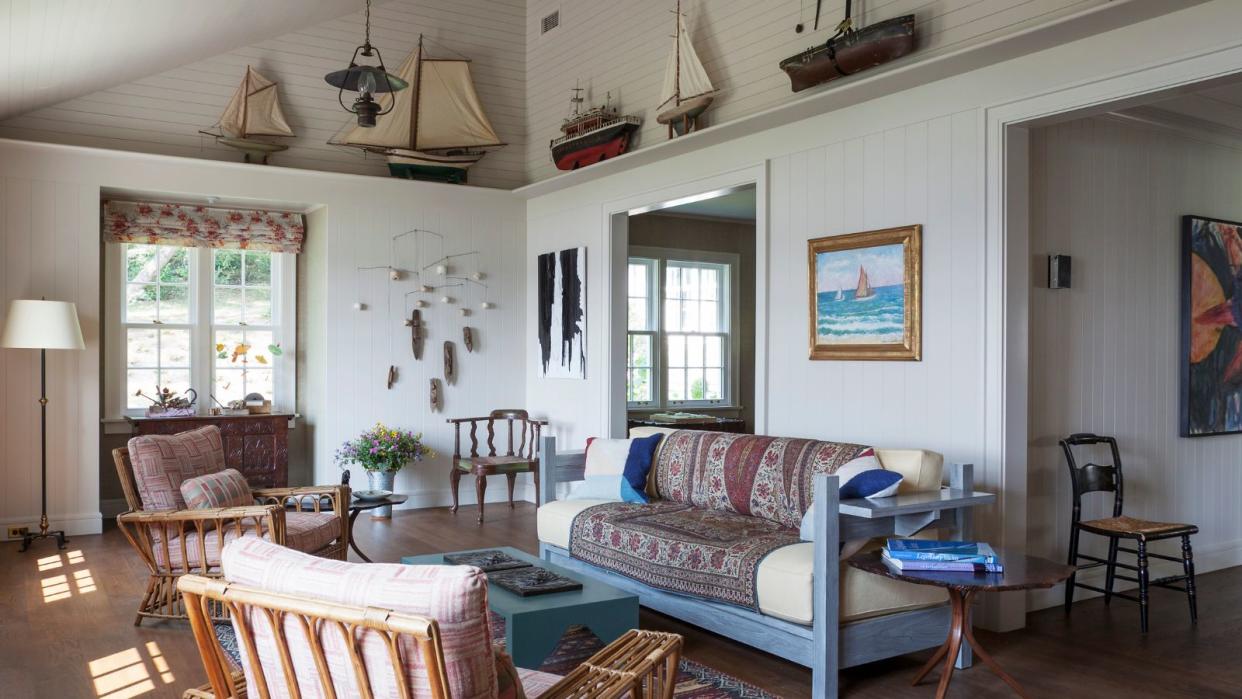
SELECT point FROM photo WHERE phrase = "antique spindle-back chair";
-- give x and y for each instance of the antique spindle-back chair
(1092, 478)
(520, 455)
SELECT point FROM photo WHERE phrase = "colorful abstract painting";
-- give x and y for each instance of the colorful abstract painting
(1211, 395)
(562, 314)
(865, 295)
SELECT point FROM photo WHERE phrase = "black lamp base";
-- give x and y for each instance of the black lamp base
(59, 536)
(29, 537)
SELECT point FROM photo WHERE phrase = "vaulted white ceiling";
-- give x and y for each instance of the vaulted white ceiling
(54, 50)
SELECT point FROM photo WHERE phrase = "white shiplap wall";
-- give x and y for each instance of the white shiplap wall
(622, 47)
(43, 253)
(50, 245)
(1105, 353)
(162, 113)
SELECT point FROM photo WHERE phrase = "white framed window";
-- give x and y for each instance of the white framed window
(220, 321)
(683, 350)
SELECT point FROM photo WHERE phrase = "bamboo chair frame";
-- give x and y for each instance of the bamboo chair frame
(156, 535)
(641, 664)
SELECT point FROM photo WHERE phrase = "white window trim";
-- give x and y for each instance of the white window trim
(202, 353)
(732, 311)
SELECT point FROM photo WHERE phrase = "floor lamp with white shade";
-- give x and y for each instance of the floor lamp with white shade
(42, 325)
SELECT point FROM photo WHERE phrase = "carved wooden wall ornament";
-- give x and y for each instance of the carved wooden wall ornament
(467, 338)
(415, 324)
(436, 401)
(450, 363)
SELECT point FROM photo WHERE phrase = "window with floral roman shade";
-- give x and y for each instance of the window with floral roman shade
(199, 297)
(188, 225)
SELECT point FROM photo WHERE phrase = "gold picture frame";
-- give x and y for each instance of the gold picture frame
(881, 316)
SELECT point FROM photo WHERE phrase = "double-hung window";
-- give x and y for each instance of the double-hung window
(220, 321)
(681, 340)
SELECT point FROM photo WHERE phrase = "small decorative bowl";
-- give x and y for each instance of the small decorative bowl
(372, 494)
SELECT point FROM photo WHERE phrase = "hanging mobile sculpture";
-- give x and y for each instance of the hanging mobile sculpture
(467, 338)
(450, 363)
(415, 324)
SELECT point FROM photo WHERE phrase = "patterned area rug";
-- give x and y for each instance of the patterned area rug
(694, 681)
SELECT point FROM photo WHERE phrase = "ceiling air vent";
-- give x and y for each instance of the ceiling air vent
(551, 22)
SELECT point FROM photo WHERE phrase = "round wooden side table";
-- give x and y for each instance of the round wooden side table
(1022, 572)
(356, 507)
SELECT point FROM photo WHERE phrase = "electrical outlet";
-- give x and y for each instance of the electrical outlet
(18, 532)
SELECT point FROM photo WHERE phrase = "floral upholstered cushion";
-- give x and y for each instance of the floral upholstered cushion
(768, 477)
(162, 462)
(455, 596)
(228, 488)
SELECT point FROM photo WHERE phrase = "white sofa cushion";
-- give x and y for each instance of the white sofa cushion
(784, 577)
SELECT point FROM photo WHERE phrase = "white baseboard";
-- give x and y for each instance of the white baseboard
(72, 525)
(1207, 559)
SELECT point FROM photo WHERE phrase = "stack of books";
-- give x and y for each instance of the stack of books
(941, 556)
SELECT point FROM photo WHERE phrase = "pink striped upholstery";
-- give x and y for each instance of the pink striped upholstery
(228, 488)
(455, 596)
(162, 462)
(304, 531)
(535, 683)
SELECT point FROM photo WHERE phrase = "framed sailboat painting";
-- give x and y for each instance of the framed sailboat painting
(866, 295)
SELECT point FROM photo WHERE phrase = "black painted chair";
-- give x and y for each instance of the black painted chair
(1091, 478)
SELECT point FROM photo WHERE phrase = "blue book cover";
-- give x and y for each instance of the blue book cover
(943, 566)
(927, 550)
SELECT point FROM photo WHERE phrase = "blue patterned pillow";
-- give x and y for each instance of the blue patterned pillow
(616, 470)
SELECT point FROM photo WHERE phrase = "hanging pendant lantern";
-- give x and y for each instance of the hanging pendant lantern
(366, 80)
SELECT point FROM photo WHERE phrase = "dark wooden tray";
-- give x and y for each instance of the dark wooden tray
(531, 581)
(488, 561)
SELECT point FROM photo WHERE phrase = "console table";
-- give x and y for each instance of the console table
(255, 445)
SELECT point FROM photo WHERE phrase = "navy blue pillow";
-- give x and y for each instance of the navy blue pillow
(637, 466)
(869, 483)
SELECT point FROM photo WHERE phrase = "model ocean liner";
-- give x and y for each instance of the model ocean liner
(437, 128)
(254, 110)
(591, 136)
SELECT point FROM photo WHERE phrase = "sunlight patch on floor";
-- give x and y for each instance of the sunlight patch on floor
(57, 587)
(125, 674)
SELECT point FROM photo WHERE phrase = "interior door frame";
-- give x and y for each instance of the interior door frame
(616, 222)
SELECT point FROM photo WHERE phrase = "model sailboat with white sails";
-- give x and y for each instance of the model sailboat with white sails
(436, 130)
(687, 90)
(253, 111)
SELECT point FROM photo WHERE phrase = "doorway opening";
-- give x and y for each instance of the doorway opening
(690, 307)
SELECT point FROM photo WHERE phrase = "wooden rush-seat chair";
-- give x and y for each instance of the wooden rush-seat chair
(521, 453)
(296, 635)
(177, 542)
(1091, 478)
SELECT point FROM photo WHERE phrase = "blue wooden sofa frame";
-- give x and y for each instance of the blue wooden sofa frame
(826, 646)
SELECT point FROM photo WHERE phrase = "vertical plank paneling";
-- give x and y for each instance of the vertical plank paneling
(1105, 354)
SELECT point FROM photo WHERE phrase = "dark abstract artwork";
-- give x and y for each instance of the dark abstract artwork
(1211, 338)
(562, 314)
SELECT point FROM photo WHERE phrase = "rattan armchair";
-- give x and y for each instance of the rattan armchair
(640, 664)
(173, 543)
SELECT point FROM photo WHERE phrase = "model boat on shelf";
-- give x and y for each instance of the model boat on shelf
(850, 51)
(252, 114)
(592, 136)
(687, 90)
(436, 130)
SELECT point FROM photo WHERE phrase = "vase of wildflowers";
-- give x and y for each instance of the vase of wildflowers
(382, 451)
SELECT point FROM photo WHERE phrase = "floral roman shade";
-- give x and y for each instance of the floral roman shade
(188, 225)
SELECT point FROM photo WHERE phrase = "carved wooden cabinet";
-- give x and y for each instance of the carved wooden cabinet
(255, 445)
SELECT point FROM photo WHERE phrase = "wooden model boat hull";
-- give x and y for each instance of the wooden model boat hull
(849, 54)
(432, 167)
(688, 109)
(256, 151)
(591, 148)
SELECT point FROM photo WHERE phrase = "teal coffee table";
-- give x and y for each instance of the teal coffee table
(534, 625)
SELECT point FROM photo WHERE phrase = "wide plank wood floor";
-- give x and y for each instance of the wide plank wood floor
(66, 629)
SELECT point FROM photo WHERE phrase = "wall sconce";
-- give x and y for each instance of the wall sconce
(1058, 271)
